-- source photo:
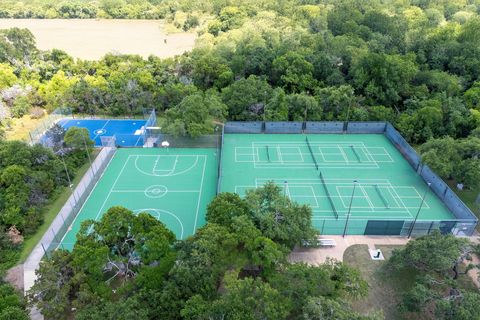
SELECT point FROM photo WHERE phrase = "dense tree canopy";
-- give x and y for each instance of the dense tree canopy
(127, 265)
(413, 63)
(437, 261)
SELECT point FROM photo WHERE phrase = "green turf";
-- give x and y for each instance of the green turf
(174, 185)
(387, 189)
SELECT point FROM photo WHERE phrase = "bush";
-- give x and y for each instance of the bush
(21, 106)
(37, 113)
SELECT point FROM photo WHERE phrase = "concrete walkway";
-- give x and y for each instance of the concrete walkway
(316, 256)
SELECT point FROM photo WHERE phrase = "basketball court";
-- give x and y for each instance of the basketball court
(173, 185)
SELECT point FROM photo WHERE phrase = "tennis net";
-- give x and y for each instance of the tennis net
(328, 195)
(385, 202)
(311, 152)
(268, 153)
(356, 154)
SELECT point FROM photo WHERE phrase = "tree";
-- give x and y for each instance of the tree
(53, 287)
(279, 219)
(303, 107)
(12, 305)
(432, 253)
(7, 77)
(293, 72)
(224, 207)
(247, 299)
(464, 306)
(78, 139)
(194, 116)
(440, 155)
(130, 242)
(321, 308)
(384, 79)
(336, 101)
(246, 98)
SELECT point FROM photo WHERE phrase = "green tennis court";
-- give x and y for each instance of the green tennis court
(174, 185)
(320, 170)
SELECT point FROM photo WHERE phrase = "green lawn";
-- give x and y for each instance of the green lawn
(51, 210)
(385, 290)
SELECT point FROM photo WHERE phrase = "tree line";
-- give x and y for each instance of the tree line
(415, 65)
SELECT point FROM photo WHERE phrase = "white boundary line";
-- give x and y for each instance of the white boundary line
(86, 200)
(200, 195)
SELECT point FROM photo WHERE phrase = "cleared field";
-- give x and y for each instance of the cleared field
(91, 39)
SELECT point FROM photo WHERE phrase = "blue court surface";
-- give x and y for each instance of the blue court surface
(128, 133)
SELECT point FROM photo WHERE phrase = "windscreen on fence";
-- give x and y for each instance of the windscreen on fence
(402, 145)
(437, 184)
(453, 202)
(323, 127)
(366, 127)
(244, 127)
(283, 127)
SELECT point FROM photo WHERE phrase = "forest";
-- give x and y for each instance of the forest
(415, 63)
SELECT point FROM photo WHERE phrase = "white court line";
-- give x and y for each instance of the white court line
(86, 200)
(199, 195)
(196, 157)
(142, 191)
(367, 197)
(343, 154)
(367, 154)
(400, 199)
(169, 172)
(279, 153)
(101, 129)
(321, 153)
(111, 188)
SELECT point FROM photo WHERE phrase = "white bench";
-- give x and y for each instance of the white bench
(319, 243)
(326, 242)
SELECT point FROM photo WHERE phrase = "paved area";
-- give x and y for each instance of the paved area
(316, 256)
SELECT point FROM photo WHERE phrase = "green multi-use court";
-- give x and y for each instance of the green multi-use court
(354, 183)
(322, 170)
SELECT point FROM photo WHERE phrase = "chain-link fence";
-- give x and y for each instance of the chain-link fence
(38, 133)
(52, 238)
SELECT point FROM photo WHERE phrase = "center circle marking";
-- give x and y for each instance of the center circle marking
(155, 191)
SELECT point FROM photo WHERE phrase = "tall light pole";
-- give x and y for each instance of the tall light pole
(70, 185)
(349, 208)
(418, 211)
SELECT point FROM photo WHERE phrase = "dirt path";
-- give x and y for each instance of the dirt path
(15, 277)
